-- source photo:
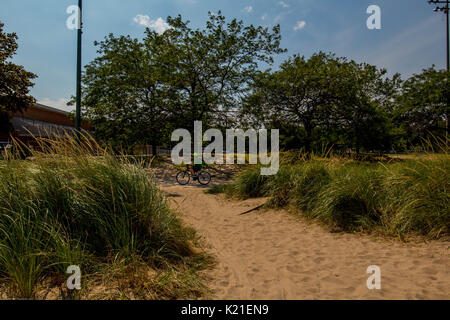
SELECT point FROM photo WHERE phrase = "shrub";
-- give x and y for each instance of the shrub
(351, 201)
(314, 176)
(248, 184)
(76, 204)
(418, 197)
(396, 198)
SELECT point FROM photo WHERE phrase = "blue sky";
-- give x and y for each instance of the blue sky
(412, 36)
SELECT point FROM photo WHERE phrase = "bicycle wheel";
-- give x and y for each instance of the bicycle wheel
(204, 178)
(183, 177)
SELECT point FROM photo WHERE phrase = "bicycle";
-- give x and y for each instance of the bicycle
(184, 177)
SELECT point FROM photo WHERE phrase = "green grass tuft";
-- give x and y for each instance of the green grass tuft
(398, 198)
(79, 205)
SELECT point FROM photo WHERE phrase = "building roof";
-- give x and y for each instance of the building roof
(44, 107)
(41, 120)
(40, 112)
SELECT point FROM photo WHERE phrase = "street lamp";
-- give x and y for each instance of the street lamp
(78, 94)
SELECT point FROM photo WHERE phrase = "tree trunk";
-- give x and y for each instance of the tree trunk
(308, 141)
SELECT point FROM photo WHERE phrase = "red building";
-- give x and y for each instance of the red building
(41, 121)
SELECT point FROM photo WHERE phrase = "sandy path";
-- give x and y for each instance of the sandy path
(270, 254)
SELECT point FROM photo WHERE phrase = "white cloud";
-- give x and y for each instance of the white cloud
(300, 25)
(159, 25)
(264, 17)
(248, 9)
(143, 20)
(58, 104)
(283, 4)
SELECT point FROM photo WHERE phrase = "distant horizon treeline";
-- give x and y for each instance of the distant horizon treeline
(327, 101)
(136, 92)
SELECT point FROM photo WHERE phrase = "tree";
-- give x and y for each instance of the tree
(15, 81)
(212, 67)
(124, 97)
(423, 105)
(301, 93)
(325, 100)
(137, 91)
(366, 100)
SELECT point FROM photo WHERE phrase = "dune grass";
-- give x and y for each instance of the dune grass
(397, 198)
(77, 204)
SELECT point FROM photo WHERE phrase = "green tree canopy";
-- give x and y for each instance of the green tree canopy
(135, 90)
(362, 114)
(123, 93)
(331, 100)
(15, 81)
(422, 108)
(138, 91)
(302, 92)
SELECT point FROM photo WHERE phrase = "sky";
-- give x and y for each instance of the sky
(412, 35)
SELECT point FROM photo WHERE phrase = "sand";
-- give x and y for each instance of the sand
(271, 254)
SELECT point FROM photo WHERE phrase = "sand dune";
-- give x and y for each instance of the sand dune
(270, 254)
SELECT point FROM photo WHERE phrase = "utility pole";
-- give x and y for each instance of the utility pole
(78, 100)
(443, 6)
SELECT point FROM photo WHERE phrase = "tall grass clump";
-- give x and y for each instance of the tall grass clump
(402, 197)
(281, 185)
(296, 185)
(77, 204)
(351, 201)
(312, 178)
(418, 196)
(248, 184)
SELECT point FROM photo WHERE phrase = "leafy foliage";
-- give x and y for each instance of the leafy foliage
(135, 91)
(422, 108)
(325, 99)
(15, 81)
